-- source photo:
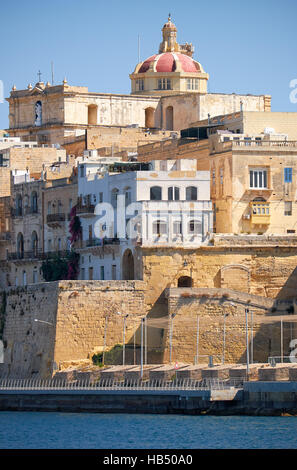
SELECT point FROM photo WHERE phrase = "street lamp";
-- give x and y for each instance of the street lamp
(104, 345)
(224, 337)
(124, 330)
(141, 350)
(43, 321)
(170, 338)
(247, 342)
(197, 340)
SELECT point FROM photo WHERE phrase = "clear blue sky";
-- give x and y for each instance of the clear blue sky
(245, 46)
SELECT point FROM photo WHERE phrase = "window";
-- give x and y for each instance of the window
(258, 178)
(82, 274)
(288, 175)
(156, 193)
(70, 204)
(34, 277)
(288, 207)
(191, 193)
(128, 196)
(24, 278)
(82, 171)
(49, 245)
(102, 273)
(113, 272)
(164, 84)
(195, 227)
(159, 227)
(59, 244)
(177, 227)
(90, 273)
(139, 85)
(114, 197)
(34, 206)
(221, 175)
(100, 197)
(192, 84)
(173, 193)
(213, 177)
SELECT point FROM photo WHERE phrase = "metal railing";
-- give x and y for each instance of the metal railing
(113, 385)
(273, 360)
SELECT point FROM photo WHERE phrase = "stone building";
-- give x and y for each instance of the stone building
(169, 91)
(253, 183)
(162, 204)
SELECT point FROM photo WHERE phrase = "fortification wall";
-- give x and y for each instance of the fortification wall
(71, 323)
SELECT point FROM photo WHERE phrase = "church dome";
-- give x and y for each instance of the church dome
(169, 62)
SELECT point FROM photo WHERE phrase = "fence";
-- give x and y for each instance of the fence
(112, 385)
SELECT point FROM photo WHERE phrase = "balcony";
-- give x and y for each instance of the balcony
(100, 242)
(55, 219)
(260, 212)
(85, 210)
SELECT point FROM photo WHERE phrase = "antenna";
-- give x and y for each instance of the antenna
(52, 67)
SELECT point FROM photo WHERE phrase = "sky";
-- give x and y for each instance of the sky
(244, 46)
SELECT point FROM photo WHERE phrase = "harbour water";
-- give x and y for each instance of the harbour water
(43, 430)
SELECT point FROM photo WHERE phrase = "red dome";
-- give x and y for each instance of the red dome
(166, 62)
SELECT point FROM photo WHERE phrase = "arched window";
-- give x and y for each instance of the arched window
(34, 243)
(34, 206)
(19, 205)
(114, 197)
(173, 193)
(92, 114)
(24, 278)
(169, 118)
(195, 227)
(128, 196)
(159, 227)
(20, 246)
(156, 193)
(38, 113)
(191, 193)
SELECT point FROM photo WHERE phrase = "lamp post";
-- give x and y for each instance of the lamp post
(124, 331)
(197, 340)
(282, 340)
(170, 338)
(104, 345)
(224, 337)
(247, 342)
(252, 338)
(141, 350)
(43, 321)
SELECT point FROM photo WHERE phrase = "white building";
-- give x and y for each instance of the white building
(163, 203)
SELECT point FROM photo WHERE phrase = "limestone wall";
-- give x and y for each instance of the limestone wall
(210, 305)
(76, 311)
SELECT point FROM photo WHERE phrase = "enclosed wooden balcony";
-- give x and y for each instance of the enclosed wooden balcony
(260, 212)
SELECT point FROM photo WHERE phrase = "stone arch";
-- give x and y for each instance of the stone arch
(235, 277)
(185, 281)
(128, 265)
(169, 118)
(92, 114)
(150, 117)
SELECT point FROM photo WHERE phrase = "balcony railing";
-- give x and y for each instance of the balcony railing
(85, 209)
(38, 254)
(100, 242)
(53, 218)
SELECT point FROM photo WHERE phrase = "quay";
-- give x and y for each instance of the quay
(213, 397)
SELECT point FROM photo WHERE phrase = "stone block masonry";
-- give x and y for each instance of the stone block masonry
(72, 319)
